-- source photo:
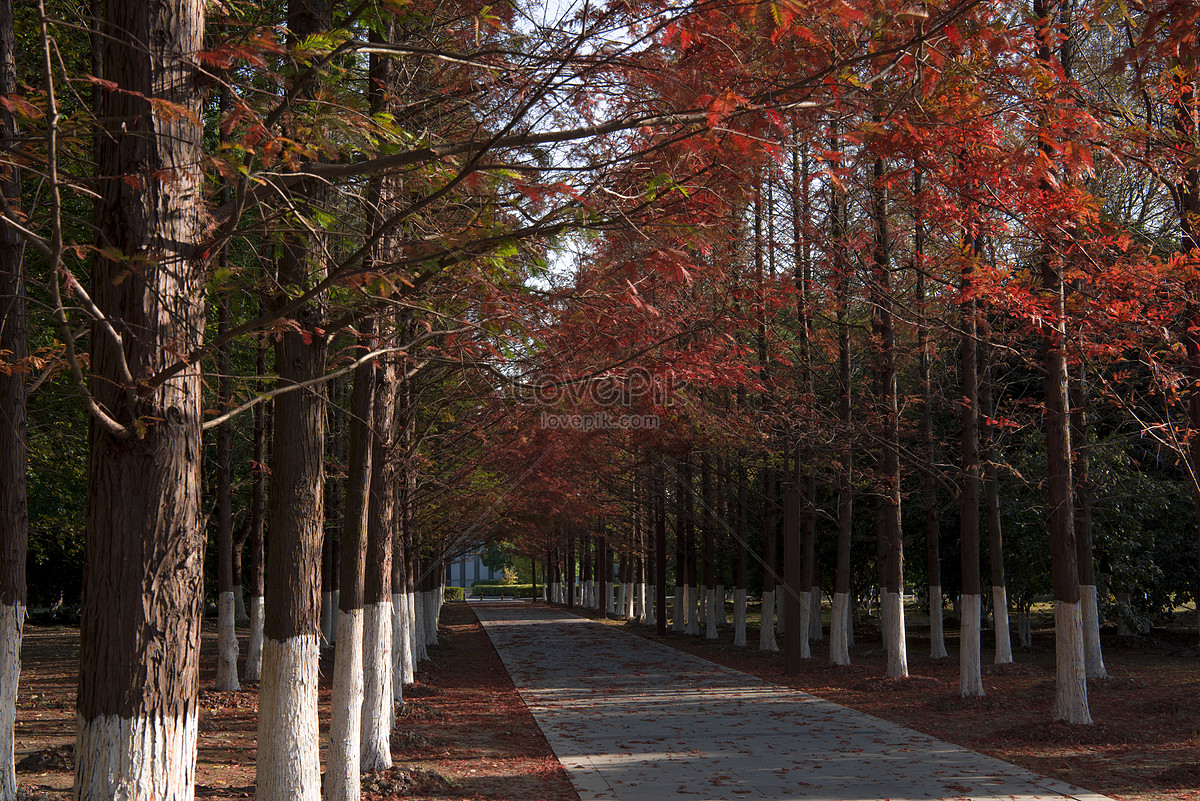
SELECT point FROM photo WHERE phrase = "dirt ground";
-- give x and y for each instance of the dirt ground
(462, 734)
(1143, 745)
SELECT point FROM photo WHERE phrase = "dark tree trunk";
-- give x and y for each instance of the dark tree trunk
(258, 472)
(991, 500)
(970, 668)
(839, 653)
(1070, 702)
(143, 588)
(1085, 563)
(894, 633)
(345, 730)
(14, 345)
(227, 643)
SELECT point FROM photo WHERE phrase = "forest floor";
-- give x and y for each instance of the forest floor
(1143, 745)
(463, 733)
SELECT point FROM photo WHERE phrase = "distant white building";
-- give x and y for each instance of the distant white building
(467, 570)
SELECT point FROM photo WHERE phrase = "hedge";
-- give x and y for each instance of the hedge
(455, 594)
(505, 590)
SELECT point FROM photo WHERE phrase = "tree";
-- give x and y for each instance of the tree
(137, 700)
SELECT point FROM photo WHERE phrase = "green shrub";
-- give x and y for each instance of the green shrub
(496, 590)
(455, 594)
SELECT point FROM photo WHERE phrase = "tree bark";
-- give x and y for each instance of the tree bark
(227, 642)
(1093, 656)
(378, 690)
(143, 587)
(766, 628)
(288, 765)
(991, 493)
(970, 672)
(262, 415)
(894, 631)
(839, 651)
(1070, 702)
(14, 350)
(342, 781)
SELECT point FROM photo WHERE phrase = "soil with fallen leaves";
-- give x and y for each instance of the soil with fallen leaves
(463, 732)
(1143, 744)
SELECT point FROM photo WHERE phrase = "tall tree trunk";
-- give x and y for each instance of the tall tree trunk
(710, 547)
(933, 562)
(839, 651)
(766, 628)
(970, 672)
(227, 642)
(288, 765)
(143, 587)
(258, 472)
(991, 501)
(1093, 657)
(342, 782)
(739, 574)
(14, 345)
(893, 626)
(1070, 703)
(378, 687)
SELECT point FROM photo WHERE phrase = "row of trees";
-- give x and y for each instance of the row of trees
(415, 234)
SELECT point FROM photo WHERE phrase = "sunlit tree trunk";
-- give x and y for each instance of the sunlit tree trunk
(143, 581)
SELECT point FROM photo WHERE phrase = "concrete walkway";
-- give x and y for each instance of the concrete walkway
(634, 720)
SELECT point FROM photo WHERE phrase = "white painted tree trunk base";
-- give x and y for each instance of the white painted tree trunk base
(378, 711)
(240, 616)
(137, 759)
(254, 649)
(227, 644)
(402, 657)
(970, 667)
(766, 627)
(692, 607)
(805, 615)
(410, 617)
(1003, 635)
(710, 614)
(1093, 655)
(816, 626)
(1070, 684)
(739, 616)
(12, 624)
(780, 608)
(417, 621)
(651, 604)
(839, 647)
(1025, 630)
(432, 611)
(288, 766)
(342, 781)
(937, 630)
(894, 636)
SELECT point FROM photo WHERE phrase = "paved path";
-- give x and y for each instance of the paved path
(634, 720)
